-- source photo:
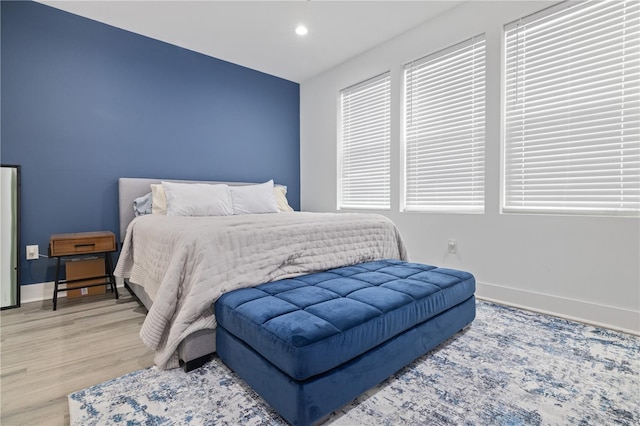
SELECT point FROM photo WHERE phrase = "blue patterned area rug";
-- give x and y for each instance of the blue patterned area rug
(510, 367)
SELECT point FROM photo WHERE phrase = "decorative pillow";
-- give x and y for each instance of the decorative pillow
(280, 192)
(254, 199)
(197, 199)
(158, 199)
(142, 205)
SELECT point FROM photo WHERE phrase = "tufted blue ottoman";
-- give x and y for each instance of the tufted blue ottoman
(309, 345)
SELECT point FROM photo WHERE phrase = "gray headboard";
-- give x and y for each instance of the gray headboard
(131, 188)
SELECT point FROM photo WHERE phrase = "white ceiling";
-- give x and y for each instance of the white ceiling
(260, 34)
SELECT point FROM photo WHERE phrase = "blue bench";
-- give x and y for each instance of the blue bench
(311, 344)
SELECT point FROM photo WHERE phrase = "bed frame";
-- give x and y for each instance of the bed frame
(199, 347)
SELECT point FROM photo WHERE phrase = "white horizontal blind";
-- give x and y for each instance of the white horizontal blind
(444, 130)
(572, 142)
(365, 139)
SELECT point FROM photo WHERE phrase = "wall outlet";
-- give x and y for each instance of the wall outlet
(33, 252)
(452, 245)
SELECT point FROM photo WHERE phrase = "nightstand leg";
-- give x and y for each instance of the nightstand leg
(107, 263)
(55, 287)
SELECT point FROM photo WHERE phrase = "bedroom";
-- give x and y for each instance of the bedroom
(72, 150)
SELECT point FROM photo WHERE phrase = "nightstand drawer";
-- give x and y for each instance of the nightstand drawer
(82, 243)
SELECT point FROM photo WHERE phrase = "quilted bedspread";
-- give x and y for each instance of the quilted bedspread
(186, 263)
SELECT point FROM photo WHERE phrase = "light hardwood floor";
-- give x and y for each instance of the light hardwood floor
(46, 355)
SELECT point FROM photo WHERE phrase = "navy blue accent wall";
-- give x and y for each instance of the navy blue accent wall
(84, 103)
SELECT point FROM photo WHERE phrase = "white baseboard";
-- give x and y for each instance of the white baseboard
(615, 318)
(612, 317)
(44, 291)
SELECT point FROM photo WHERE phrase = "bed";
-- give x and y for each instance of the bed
(178, 266)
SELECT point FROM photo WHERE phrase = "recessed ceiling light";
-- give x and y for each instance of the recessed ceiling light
(301, 30)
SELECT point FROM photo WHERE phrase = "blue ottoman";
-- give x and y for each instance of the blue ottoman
(309, 345)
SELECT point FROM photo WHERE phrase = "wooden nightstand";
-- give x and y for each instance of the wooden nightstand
(80, 244)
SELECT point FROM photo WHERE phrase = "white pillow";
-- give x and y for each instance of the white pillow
(254, 199)
(158, 199)
(280, 192)
(197, 199)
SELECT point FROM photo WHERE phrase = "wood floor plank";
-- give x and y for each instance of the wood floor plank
(45, 354)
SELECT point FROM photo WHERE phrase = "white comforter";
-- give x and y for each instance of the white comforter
(186, 263)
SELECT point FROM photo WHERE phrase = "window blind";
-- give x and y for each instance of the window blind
(572, 141)
(365, 139)
(444, 130)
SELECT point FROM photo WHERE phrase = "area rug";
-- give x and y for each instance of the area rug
(510, 367)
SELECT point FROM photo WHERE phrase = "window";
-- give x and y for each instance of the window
(444, 130)
(572, 116)
(365, 139)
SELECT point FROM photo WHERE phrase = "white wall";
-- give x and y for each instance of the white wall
(586, 268)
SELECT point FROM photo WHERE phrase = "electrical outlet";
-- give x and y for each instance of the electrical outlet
(452, 245)
(33, 252)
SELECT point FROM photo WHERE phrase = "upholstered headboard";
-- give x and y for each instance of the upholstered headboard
(131, 188)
